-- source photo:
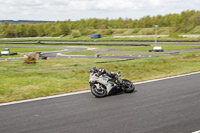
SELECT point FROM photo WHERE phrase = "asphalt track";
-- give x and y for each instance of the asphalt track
(165, 106)
(57, 54)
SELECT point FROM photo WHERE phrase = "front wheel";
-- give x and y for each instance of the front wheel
(98, 90)
(127, 86)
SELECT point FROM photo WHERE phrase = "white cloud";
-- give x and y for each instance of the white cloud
(155, 2)
(76, 9)
(100, 4)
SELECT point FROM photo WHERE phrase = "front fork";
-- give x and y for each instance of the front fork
(96, 84)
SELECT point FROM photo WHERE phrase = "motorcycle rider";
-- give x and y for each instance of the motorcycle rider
(93, 70)
(112, 75)
(103, 71)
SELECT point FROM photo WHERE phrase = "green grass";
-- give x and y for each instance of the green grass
(11, 56)
(85, 46)
(50, 77)
(26, 50)
(196, 30)
(128, 32)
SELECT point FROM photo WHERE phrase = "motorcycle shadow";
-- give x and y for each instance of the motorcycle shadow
(120, 93)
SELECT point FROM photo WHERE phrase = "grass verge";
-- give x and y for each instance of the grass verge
(24, 81)
(11, 56)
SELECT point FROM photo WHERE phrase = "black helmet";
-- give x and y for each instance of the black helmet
(102, 71)
(93, 69)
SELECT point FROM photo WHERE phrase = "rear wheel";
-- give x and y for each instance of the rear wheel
(98, 90)
(128, 86)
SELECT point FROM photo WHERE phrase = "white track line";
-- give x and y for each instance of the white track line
(196, 131)
(167, 78)
(81, 92)
(43, 98)
(60, 54)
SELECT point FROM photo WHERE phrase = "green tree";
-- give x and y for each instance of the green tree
(76, 34)
(21, 28)
(31, 31)
(108, 32)
(63, 29)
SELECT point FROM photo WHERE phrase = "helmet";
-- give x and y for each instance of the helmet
(102, 71)
(93, 69)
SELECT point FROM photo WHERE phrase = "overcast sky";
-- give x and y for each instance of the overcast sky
(82, 9)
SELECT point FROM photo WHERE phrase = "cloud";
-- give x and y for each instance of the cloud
(155, 2)
(76, 9)
(97, 4)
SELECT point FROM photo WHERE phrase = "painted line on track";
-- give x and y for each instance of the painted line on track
(43, 98)
(86, 91)
(154, 80)
(196, 131)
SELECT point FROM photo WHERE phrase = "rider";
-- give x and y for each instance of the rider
(112, 75)
(103, 71)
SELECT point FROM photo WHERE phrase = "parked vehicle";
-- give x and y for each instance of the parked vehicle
(103, 83)
(6, 51)
(157, 49)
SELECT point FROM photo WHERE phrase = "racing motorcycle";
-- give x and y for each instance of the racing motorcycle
(103, 83)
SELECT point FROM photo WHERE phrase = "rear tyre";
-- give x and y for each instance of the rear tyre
(128, 86)
(98, 91)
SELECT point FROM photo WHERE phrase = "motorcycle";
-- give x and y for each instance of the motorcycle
(103, 83)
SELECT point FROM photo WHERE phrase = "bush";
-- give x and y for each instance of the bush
(148, 31)
(108, 32)
(84, 31)
(120, 31)
(135, 31)
(76, 34)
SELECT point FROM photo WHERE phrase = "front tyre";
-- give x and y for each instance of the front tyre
(127, 86)
(98, 90)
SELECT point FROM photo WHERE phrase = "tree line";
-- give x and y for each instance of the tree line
(182, 23)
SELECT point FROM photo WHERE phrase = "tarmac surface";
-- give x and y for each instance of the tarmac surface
(165, 106)
(58, 54)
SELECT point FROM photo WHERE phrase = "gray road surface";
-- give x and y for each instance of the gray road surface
(53, 54)
(167, 106)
